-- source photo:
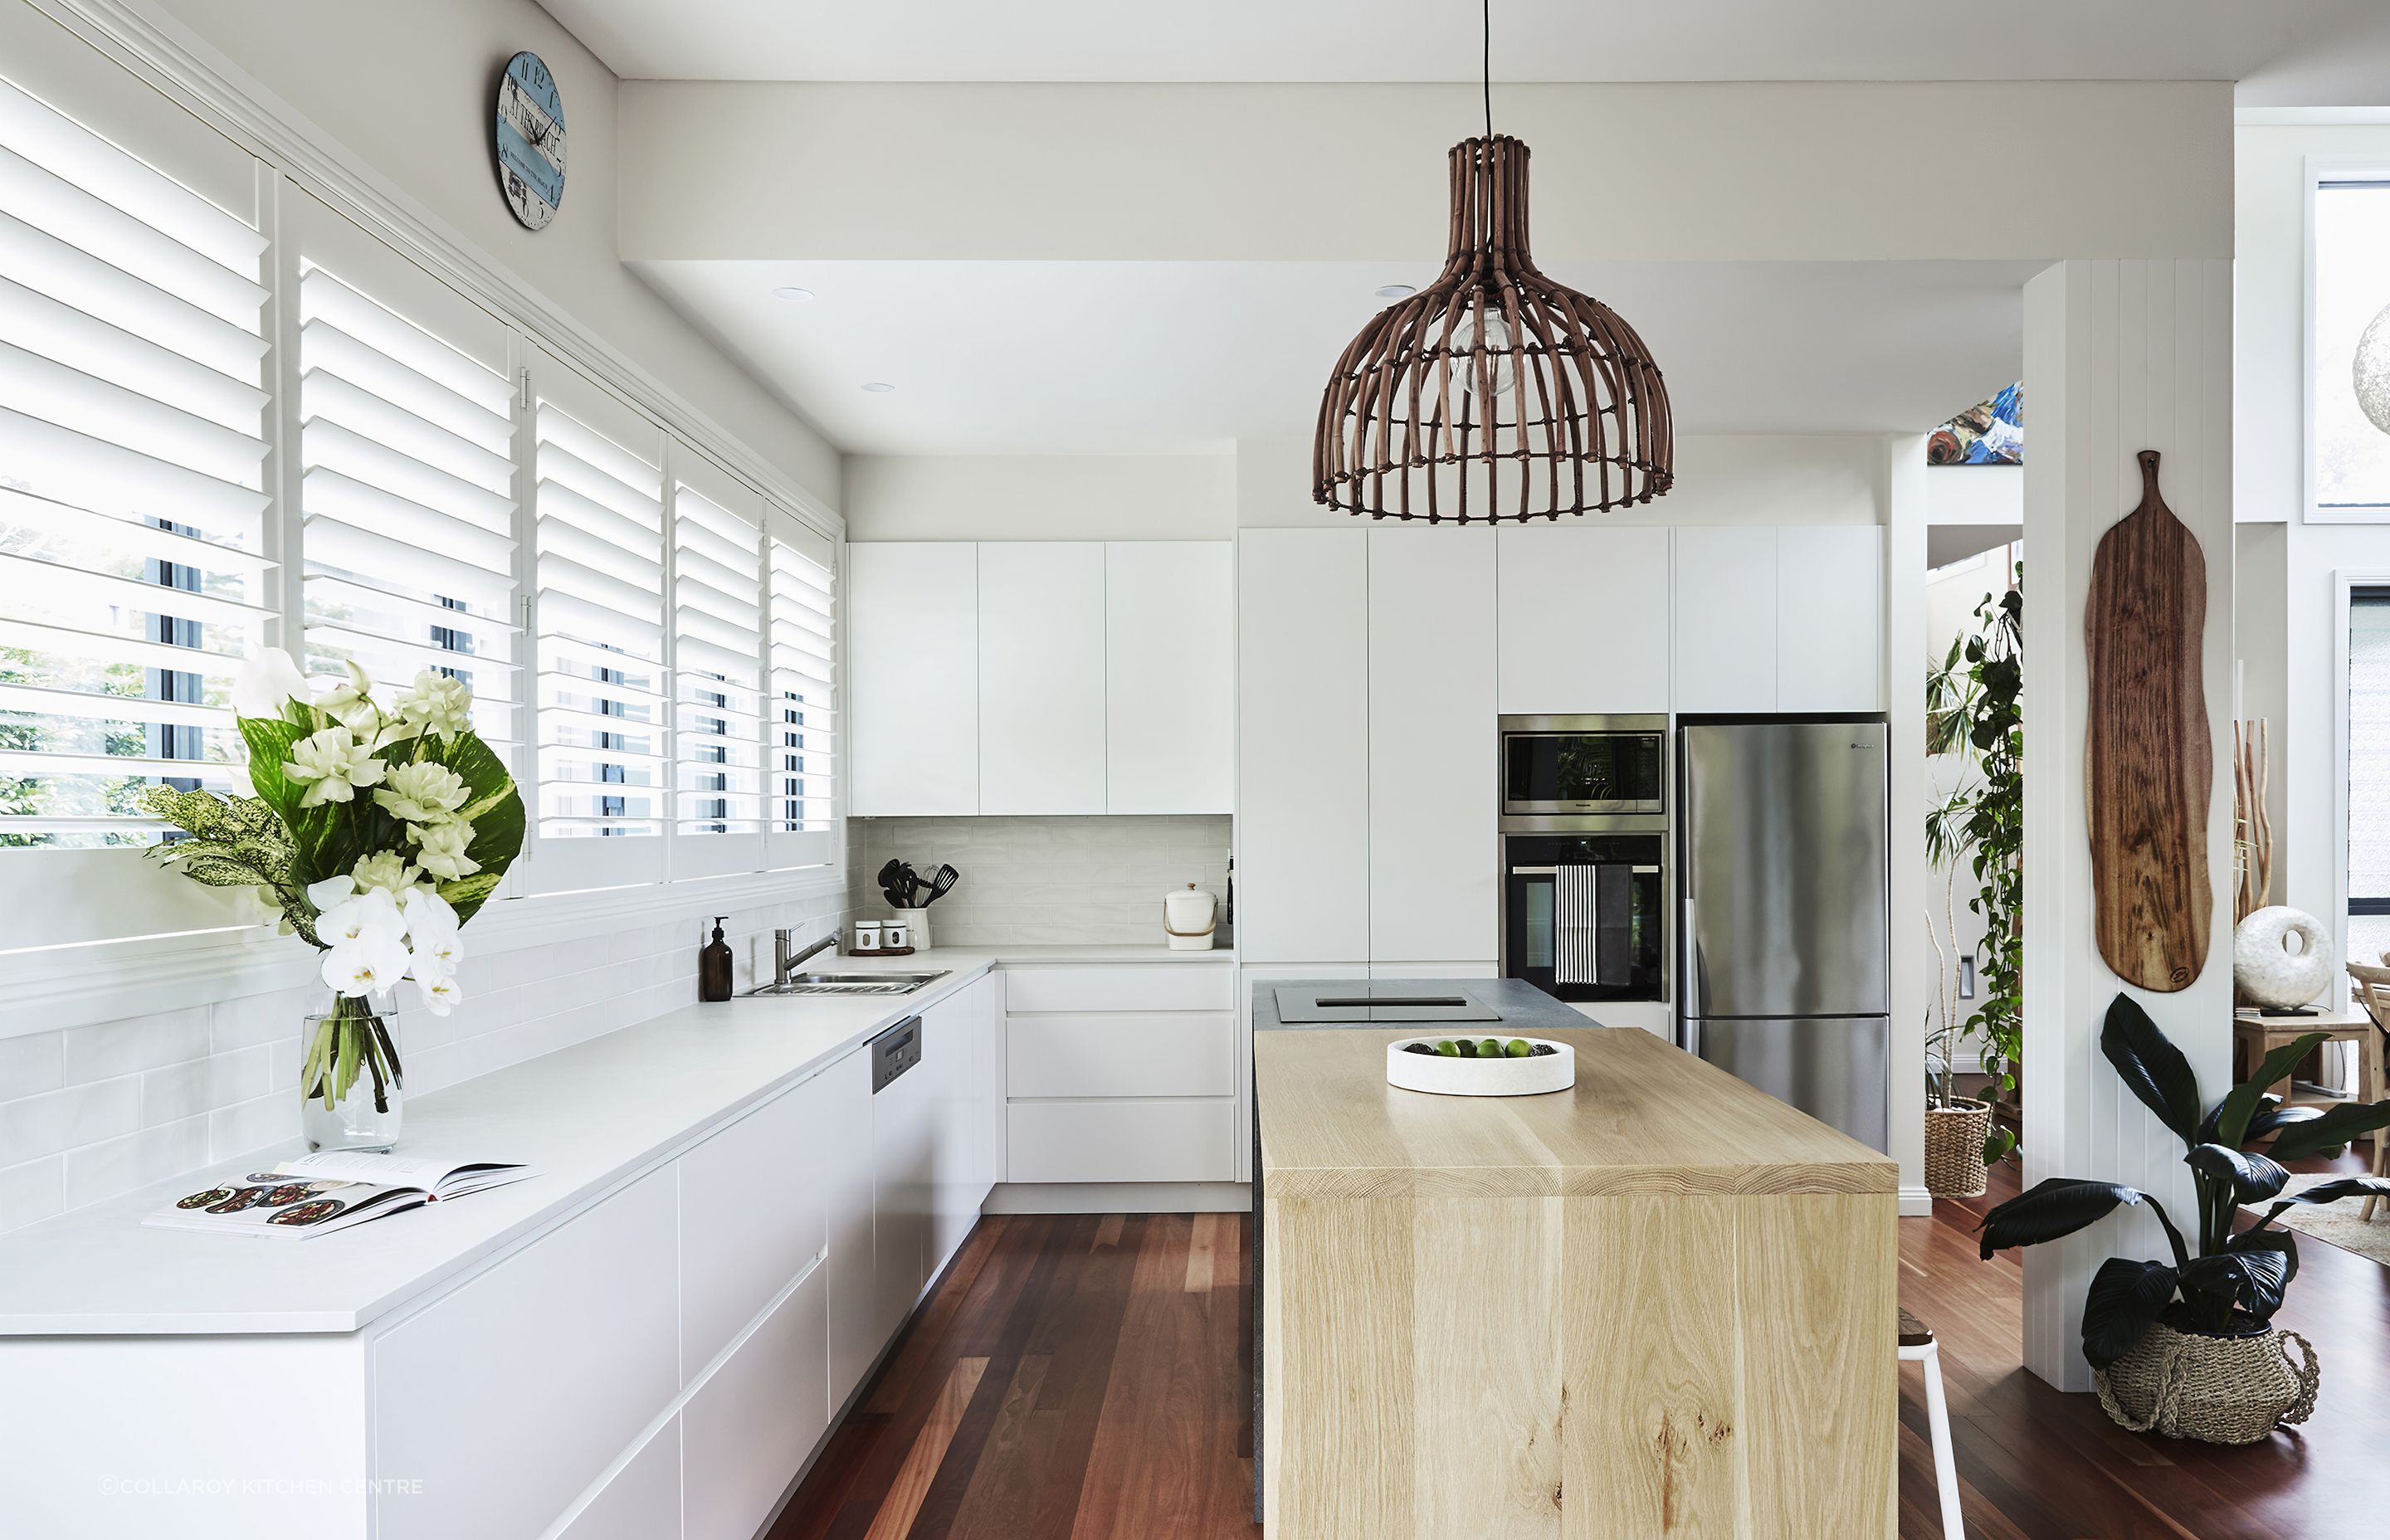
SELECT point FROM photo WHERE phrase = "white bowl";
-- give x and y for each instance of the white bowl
(1480, 1077)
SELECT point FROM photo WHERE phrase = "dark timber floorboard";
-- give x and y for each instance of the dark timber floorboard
(1078, 1378)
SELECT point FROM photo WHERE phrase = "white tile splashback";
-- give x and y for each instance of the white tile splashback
(1030, 881)
(90, 1112)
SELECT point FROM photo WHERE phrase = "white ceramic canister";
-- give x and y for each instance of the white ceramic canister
(1190, 915)
(896, 935)
(866, 935)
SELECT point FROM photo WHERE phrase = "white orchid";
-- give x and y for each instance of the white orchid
(434, 950)
(269, 682)
(370, 914)
(422, 792)
(385, 869)
(438, 704)
(371, 964)
(331, 764)
(440, 994)
(329, 891)
(428, 913)
(440, 849)
(349, 702)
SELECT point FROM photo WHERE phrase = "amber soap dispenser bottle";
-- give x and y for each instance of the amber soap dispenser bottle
(714, 966)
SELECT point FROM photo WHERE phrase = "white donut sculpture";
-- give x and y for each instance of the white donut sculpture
(2270, 968)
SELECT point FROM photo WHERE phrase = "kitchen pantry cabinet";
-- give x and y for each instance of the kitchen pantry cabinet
(1583, 617)
(913, 676)
(1065, 676)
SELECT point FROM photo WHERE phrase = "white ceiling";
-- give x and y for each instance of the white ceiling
(1438, 40)
(1060, 358)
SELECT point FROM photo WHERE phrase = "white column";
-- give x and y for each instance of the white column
(2119, 356)
(1904, 693)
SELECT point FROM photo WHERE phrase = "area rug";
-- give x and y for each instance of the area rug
(2337, 1223)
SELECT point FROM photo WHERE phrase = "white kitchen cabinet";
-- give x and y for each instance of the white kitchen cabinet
(846, 1165)
(1170, 650)
(1140, 1140)
(961, 1033)
(531, 1343)
(904, 1174)
(1165, 986)
(752, 1206)
(913, 676)
(641, 1500)
(1188, 1053)
(1303, 745)
(1584, 618)
(1433, 795)
(1724, 619)
(1041, 677)
(1828, 617)
(747, 1430)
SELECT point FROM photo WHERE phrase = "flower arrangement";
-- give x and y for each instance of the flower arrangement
(376, 832)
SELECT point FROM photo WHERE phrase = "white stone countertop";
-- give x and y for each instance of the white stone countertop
(589, 1116)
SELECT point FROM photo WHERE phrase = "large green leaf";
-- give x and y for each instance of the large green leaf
(2058, 1207)
(2231, 1115)
(2329, 1192)
(2251, 1281)
(494, 807)
(2124, 1300)
(2336, 1127)
(2152, 1067)
(2251, 1176)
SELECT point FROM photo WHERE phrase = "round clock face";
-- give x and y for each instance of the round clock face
(531, 141)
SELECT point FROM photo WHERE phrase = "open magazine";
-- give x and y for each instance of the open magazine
(330, 1190)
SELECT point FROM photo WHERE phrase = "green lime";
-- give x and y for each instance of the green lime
(1468, 1049)
(1489, 1049)
(1447, 1047)
(1517, 1047)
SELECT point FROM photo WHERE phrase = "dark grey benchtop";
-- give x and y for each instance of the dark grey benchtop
(1520, 1003)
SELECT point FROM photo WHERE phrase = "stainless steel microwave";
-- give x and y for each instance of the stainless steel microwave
(1561, 765)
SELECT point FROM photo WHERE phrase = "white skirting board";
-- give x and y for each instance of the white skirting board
(1120, 1198)
(1915, 1203)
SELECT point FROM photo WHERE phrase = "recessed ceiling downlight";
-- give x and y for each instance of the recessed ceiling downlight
(878, 386)
(1395, 292)
(792, 294)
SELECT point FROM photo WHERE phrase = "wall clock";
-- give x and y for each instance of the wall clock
(530, 138)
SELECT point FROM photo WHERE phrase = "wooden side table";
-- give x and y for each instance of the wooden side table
(2254, 1036)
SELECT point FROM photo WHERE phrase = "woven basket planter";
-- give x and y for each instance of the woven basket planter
(2220, 1389)
(1953, 1148)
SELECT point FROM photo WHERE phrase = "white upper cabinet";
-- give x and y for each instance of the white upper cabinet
(1828, 617)
(1041, 677)
(1584, 618)
(1725, 621)
(913, 626)
(1170, 651)
(1433, 793)
(1303, 746)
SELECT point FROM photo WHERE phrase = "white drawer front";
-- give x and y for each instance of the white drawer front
(752, 1215)
(1120, 1141)
(1158, 987)
(1178, 1054)
(749, 1426)
(642, 1500)
(571, 1342)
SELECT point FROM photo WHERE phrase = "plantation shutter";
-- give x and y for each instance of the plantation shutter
(133, 553)
(717, 669)
(603, 715)
(801, 753)
(408, 448)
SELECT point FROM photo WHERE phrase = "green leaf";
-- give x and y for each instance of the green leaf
(2233, 1114)
(2253, 1178)
(2336, 1127)
(2124, 1300)
(2152, 1067)
(2328, 1192)
(2058, 1207)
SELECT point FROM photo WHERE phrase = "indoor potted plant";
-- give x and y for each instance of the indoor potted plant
(2187, 1346)
(1973, 711)
(377, 832)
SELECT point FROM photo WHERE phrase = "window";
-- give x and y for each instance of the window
(2350, 474)
(407, 445)
(2368, 773)
(801, 739)
(603, 729)
(132, 563)
(717, 662)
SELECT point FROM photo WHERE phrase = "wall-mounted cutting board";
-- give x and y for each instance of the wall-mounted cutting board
(2148, 764)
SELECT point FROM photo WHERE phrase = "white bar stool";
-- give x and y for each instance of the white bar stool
(1916, 1345)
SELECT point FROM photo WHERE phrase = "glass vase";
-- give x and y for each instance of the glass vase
(349, 1076)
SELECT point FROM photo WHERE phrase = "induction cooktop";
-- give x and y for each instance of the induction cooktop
(1362, 1004)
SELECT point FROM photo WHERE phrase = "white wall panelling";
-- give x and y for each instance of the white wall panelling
(913, 677)
(1041, 679)
(1724, 594)
(1432, 787)
(1303, 745)
(1584, 618)
(1170, 643)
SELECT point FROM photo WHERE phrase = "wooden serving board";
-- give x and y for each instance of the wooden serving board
(2148, 763)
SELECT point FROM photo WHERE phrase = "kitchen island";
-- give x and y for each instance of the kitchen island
(1660, 1303)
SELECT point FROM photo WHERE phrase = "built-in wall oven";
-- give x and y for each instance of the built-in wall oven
(1585, 893)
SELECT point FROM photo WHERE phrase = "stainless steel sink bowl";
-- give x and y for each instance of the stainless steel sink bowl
(850, 983)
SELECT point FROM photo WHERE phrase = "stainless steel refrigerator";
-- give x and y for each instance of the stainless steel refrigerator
(1781, 838)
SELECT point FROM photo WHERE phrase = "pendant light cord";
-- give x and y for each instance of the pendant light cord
(1489, 56)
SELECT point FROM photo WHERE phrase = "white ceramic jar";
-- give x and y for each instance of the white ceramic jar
(1189, 915)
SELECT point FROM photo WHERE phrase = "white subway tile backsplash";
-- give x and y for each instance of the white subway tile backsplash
(110, 1048)
(99, 1172)
(1029, 881)
(253, 1124)
(188, 1090)
(32, 1190)
(54, 1122)
(31, 1064)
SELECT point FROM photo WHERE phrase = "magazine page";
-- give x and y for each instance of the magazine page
(284, 1204)
(441, 1175)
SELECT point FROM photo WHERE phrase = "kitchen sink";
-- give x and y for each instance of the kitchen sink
(850, 983)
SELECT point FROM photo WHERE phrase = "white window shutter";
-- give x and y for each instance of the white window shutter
(132, 556)
(603, 717)
(407, 445)
(802, 717)
(717, 669)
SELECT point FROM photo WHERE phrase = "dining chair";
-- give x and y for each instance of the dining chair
(2374, 994)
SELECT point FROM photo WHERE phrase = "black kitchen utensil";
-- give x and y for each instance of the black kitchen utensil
(892, 883)
(942, 882)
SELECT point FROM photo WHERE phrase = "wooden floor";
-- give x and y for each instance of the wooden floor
(1079, 1378)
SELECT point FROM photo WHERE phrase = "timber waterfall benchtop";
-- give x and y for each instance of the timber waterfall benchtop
(1660, 1303)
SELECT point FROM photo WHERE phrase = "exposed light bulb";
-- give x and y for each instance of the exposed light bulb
(1496, 340)
(2370, 374)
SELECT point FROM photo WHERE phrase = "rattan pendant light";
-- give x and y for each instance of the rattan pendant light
(1494, 392)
